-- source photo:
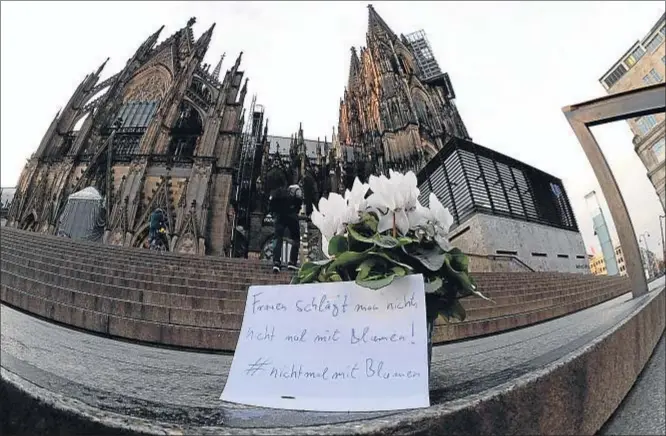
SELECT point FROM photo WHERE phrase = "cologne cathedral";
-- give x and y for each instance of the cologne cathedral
(167, 132)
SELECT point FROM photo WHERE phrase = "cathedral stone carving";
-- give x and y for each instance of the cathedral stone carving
(150, 87)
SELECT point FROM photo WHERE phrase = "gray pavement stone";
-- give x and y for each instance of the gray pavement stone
(643, 411)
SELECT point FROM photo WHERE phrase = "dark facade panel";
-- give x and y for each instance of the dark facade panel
(468, 178)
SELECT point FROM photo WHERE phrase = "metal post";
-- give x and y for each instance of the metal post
(646, 258)
(663, 242)
(648, 264)
(616, 205)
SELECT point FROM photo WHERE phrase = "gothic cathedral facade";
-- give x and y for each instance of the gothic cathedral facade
(177, 142)
(174, 129)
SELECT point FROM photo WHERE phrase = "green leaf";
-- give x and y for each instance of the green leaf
(377, 283)
(371, 221)
(399, 271)
(385, 241)
(348, 258)
(359, 237)
(463, 280)
(458, 260)
(322, 262)
(454, 310)
(391, 259)
(433, 285)
(432, 258)
(335, 277)
(308, 278)
(307, 273)
(364, 268)
(306, 267)
(338, 244)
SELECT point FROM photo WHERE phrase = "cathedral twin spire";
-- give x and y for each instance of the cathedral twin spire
(377, 26)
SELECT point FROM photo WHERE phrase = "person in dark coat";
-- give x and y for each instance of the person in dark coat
(284, 205)
(157, 221)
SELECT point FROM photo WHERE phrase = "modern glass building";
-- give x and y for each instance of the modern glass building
(469, 178)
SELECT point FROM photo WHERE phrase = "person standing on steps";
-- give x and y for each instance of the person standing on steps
(157, 222)
(285, 204)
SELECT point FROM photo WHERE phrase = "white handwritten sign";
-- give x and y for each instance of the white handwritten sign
(332, 347)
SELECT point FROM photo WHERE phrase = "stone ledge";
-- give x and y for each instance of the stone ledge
(558, 382)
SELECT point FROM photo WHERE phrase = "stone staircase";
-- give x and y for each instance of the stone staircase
(198, 302)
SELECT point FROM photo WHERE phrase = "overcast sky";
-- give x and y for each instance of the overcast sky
(513, 65)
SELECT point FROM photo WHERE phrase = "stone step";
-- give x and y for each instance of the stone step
(146, 256)
(40, 278)
(246, 265)
(122, 264)
(130, 303)
(121, 327)
(227, 289)
(152, 330)
(93, 296)
(125, 308)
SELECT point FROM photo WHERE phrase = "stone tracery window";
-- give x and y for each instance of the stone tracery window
(186, 131)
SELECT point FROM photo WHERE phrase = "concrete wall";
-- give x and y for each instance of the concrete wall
(489, 235)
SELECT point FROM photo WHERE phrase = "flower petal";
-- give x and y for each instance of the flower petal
(324, 246)
(402, 222)
(385, 222)
(440, 214)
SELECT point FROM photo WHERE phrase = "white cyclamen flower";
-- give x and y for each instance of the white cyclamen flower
(395, 200)
(439, 217)
(356, 203)
(335, 212)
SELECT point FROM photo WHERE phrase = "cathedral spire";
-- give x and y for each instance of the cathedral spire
(354, 67)
(238, 61)
(218, 67)
(152, 39)
(203, 41)
(101, 67)
(376, 25)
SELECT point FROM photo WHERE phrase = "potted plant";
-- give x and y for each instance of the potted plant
(372, 239)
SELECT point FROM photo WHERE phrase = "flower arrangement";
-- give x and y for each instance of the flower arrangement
(374, 239)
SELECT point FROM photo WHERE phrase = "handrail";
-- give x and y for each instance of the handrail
(502, 256)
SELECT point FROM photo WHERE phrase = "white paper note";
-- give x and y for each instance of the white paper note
(332, 347)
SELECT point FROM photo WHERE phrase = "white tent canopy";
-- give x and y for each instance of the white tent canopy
(89, 193)
(84, 216)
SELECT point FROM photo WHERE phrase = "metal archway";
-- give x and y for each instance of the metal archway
(616, 107)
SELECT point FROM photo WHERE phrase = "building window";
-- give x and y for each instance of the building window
(645, 124)
(655, 75)
(655, 42)
(635, 56)
(652, 77)
(615, 75)
(658, 149)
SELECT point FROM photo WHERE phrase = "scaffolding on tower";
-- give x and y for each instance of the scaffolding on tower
(250, 153)
(429, 69)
